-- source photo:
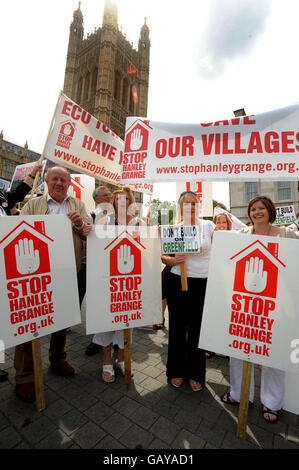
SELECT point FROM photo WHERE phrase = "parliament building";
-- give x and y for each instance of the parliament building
(104, 74)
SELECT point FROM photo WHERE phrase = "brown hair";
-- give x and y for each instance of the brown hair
(228, 222)
(267, 203)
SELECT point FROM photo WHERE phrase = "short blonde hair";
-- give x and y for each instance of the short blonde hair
(187, 193)
(121, 190)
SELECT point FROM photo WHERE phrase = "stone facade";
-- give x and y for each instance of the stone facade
(282, 194)
(12, 155)
(104, 72)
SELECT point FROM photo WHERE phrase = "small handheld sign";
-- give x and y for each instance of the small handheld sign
(180, 239)
(285, 215)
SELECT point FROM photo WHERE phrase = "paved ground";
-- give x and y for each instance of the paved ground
(83, 412)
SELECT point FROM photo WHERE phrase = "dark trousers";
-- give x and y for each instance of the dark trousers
(81, 278)
(185, 309)
(23, 361)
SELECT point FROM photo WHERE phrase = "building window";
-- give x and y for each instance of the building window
(125, 93)
(284, 191)
(8, 169)
(117, 82)
(94, 81)
(251, 191)
(86, 87)
(79, 90)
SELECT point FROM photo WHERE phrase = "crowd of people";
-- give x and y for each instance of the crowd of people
(186, 362)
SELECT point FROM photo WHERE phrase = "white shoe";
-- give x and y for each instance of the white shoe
(121, 367)
(108, 374)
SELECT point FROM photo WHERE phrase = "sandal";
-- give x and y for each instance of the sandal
(177, 382)
(195, 386)
(228, 400)
(108, 375)
(121, 367)
(270, 412)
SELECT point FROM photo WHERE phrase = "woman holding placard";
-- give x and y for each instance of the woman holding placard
(221, 222)
(261, 213)
(123, 203)
(185, 359)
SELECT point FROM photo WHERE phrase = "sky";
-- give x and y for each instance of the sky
(208, 58)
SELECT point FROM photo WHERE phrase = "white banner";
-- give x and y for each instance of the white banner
(123, 278)
(82, 143)
(235, 222)
(38, 288)
(204, 195)
(251, 304)
(248, 147)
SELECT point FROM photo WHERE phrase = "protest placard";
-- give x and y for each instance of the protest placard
(251, 300)
(180, 239)
(4, 185)
(123, 278)
(21, 171)
(38, 274)
(78, 141)
(285, 215)
(242, 148)
(203, 191)
(82, 187)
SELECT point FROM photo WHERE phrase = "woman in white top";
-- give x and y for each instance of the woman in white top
(185, 359)
(261, 213)
(121, 200)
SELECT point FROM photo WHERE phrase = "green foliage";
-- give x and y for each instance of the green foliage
(216, 203)
(162, 212)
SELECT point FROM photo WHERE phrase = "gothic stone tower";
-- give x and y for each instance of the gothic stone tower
(103, 71)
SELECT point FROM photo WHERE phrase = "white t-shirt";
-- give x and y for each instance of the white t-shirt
(197, 265)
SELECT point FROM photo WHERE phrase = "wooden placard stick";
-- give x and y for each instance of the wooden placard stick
(127, 353)
(36, 350)
(38, 375)
(244, 400)
(36, 353)
(184, 281)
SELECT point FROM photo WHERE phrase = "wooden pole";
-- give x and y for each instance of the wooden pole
(244, 400)
(127, 353)
(38, 375)
(184, 281)
(36, 350)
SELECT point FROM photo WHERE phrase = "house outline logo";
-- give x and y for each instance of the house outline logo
(32, 237)
(125, 255)
(66, 134)
(77, 187)
(137, 136)
(268, 262)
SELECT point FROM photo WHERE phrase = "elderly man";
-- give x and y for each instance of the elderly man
(55, 202)
(102, 199)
